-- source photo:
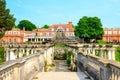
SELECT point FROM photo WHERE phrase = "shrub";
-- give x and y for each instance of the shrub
(101, 42)
(117, 53)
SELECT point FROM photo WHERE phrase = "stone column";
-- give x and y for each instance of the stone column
(93, 51)
(20, 53)
(113, 54)
(7, 55)
(100, 53)
(109, 55)
(12, 55)
(88, 51)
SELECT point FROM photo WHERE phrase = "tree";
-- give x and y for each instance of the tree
(89, 28)
(29, 26)
(45, 27)
(7, 21)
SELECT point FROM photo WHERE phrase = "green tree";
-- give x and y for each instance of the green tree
(29, 26)
(7, 21)
(117, 53)
(89, 28)
(45, 27)
(2, 54)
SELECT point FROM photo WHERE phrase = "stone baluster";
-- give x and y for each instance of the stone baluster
(7, 55)
(113, 54)
(12, 55)
(27, 51)
(100, 53)
(109, 54)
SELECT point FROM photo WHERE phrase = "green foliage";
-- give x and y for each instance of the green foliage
(6, 19)
(2, 34)
(29, 26)
(89, 28)
(24, 54)
(45, 66)
(45, 27)
(68, 57)
(2, 54)
(60, 45)
(117, 53)
(52, 65)
(101, 42)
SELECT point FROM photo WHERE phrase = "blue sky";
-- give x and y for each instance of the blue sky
(41, 12)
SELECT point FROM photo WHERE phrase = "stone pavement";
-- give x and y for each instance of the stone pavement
(61, 72)
(60, 76)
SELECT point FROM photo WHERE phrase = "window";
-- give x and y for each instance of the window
(105, 32)
(14, 40)
(52, 34)
(67, 29)
(72, 33)
(15, 32)
(9, 32)
(67, 34)
(47, 33)
(10, 40)
(115, 32)
(40, 33)
(52, 29)
(109, 32)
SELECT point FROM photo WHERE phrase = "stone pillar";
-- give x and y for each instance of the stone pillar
(31, 51)
(43, 39)
(20, 53)
(109, 55)
(113, 54)
(12, 55)
(100, 53)
(88, 51)
(93, 51)
(7, 55)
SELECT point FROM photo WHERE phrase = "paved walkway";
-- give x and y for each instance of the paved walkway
(61, 76)
(61, 66)
(61, 72)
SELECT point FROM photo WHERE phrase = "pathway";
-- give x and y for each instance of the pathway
(61, 72)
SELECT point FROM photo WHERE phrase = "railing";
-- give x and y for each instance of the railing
(98, 68)
(21, 68)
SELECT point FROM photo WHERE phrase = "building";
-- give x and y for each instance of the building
(111, 35)
(38, 35)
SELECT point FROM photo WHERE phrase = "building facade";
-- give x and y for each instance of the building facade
(111, 35)
(18, 36)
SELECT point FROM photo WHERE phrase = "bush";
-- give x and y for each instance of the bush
(2, 54)
(117, 53)
(101, 42)
(60, 45)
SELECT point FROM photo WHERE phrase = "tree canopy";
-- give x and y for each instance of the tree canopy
(89, 28)
(45, 27)
(7, 21)
(29, 26)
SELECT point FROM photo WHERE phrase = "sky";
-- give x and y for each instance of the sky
(41, 12)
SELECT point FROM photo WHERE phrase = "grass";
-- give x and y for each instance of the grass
(60, 45)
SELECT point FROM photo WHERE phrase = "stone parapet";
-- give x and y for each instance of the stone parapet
(21, 68)
(99, 68)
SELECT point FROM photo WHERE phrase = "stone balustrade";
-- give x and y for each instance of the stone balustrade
(99, 68)
(21, 69)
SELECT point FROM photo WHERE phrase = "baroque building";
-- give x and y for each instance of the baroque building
(18, 36)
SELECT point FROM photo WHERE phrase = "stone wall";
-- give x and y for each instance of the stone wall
(98, 68)
(22, 68)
